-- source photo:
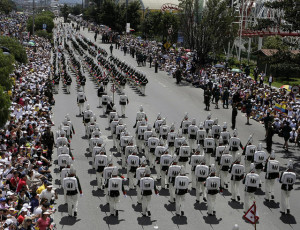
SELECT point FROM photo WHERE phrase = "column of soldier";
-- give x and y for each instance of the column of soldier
(208, 148)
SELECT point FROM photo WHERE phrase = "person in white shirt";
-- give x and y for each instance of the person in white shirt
(49, 194)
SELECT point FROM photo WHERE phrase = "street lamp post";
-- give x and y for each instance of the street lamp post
(33, 6)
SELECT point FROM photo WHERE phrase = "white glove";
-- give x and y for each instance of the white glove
(125, 196)
(81, 195)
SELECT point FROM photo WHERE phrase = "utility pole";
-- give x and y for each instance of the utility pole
(33, 6)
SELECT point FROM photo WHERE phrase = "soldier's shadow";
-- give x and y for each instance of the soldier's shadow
(259, 192)
(235, 204)
(271, 204)
(62, 208)
(93, 183)
(131, 192)
(144, 220)
(179, 220)
(164, 192)
(98, 193)
(88, 154)
(200, 206)
(112, 220)
(60, 191)
(212, 219)
(104, 208)
(137, 207)
(288, 219)
(67, 220)
(91, 171)
(170, 207)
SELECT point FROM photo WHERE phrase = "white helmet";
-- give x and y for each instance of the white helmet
(182, 170)
(88, 107)
(141, 108)
(225, 125)
(252, 166)
(158, 116)
(259, 147)
(194, 121)
(186, 116)
(272, 156)
(216, 121)
(209, 116)
(290, 164)
(201, 125)
(72, 170)
(121, 121)
(80, 89)
(172, 126)
(235, 132)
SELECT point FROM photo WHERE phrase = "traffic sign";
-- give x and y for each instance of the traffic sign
(167, 45)
(44, 26)
(295, 89)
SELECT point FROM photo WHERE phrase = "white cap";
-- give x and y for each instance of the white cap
(182, 170)
(216, 121)
(272, 156)
(259, 147)
(290, 164)
(72, 170)
(252, 166)
(114, 172)
(225, 125)
(141, 108)
(235, 132)
(172, 126)
(250, 140)
(147, 170)
(121, 121)
(186, 116)
(201, 125)
(158, 116)
(88, 106)
(194, 121)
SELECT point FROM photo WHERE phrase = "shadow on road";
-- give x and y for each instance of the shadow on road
(272, 204)
(68, 220)
(200, 206)
(144, 220)
(179, 220)
(288, 219)
(112, 220)
(212, 219)
(235, 204)
(170, 207)
(62, 208)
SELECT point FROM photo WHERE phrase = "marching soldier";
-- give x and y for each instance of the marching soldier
(213, 187)
(201, 135)
(234, 144)
(133, 161)
(124, 141)
(140, 172)
(72, 186)
(216, 131)
(101, 160)
(181, 188)
(165, 161)
(119, 129)
(100, 93)
(178, 141)
(140, 115)
(159, 150)
(272, 172)
(87, 114)
(225, 163)
(185, 123)
(141, 129)
(251, 182)
(62, 140)
(209, 147)
(171, 139)
(148, 133)
(225, 134)
(184, 153)
(115, 185)
(164, 129)
(287, 180)
(220, 150)
(64, 160)
(147, 184)
(249, 149)
(195, 160)
(192, 133)
(201, 174)
(259, 159)
(123, 102)
(113, 127)
(81, 98)
(105, 101)
(173, 172)
(157, 123)
(107, 174)
(208, 123)
(237, 174)
(152, 143)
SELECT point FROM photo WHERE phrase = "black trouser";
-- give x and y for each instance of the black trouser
(225, 102)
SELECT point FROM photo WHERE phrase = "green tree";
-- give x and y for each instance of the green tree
(65, 12)
(4, 106)
(274, 42)
(15, 48)
(76, 10)
(113, 15)
(215, 30)
(6, 6)
(39, 21)
(6, 68)
(134, 14)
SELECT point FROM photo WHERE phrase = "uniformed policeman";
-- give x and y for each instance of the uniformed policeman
(81, 98)
(173, 172)
(72, 186)
(287, 180)
(192, 134)
(272, 172)
(237, 174)
(115, 185)
(251, 182)
(181, 188)
(123, 102)
(213, 187)
(147, 184)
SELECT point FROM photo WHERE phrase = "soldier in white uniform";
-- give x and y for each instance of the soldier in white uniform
(184, 153)
(216, 131)
(164, 129)
(201, 174)
(124, 141)
(133, 162)
(72, 186)
(101, 160)
(159, 150)
(220, 150)
(148, 133)
(113, 127)
(185, 123)
(181, 188)
(225, 163)
(63, 160)
(260, 158)
(171, 139)
(213, 187)
(225, 134)
(140, 115)
(165, 162)
(209, 147)
(115, 185)
(201, 135)
(249, 150)
(173, 172)
(123, 102)
(87, 114)
(178, 141)
(196, 159)
(62, 140)
(107, 174)
(81, 98)
(208, 123)
(272, 172)
(147, 184)
(70, 124)
(234, 144)
(112, 114)
(251, 182)
(287, 180)
(100, 93)
(119, 129)
(140, 172)
(91, 127)
(157, 123)
(237, 174)
(192, 133)
(95, 140)
(63, 174)
(152, 143)
(141, 129)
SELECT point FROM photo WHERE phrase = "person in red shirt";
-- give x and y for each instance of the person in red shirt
(22, 183)
(21, 217)
(14, 181)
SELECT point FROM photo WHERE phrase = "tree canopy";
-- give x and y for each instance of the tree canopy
(6, 6)
(15, 48)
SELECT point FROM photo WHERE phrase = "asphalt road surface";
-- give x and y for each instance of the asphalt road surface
(172, 101)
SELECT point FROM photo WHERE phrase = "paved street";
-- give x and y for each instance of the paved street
(172, 101)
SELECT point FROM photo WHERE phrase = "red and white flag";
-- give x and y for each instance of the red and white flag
(251, 215)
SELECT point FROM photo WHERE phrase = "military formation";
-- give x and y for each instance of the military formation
(203, 156)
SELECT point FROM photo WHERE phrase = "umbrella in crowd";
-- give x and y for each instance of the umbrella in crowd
(236, 71)
(287, 87)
